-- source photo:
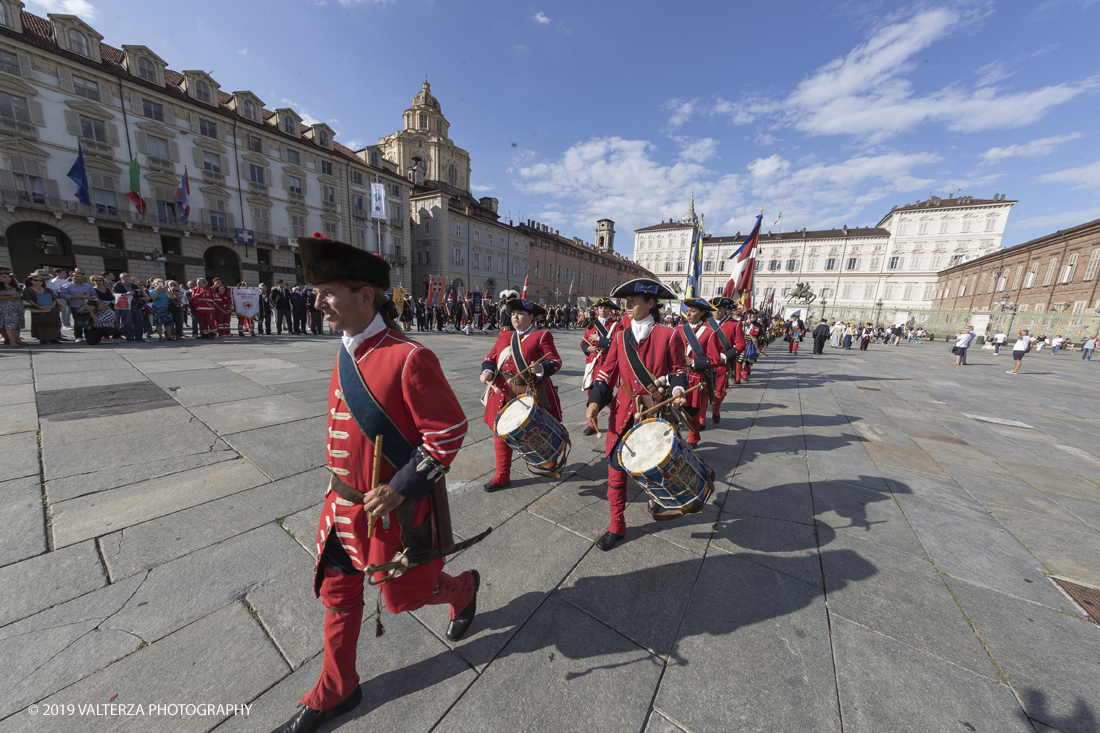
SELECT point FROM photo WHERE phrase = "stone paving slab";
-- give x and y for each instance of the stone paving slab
(1067, 549)
(16, 394)
(864, 514)
(1049, 658)
(113, 477)
(560, 672)
(285, 449)
(24, 532)
(259, 412)
(180, 668)
(18, 456)
(48, 579)
(149, 544)
(888, 686)
(292, 616)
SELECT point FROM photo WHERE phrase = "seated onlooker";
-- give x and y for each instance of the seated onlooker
(45, 310)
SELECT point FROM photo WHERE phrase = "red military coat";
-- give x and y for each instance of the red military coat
(661, 358)
(409, 384)
(534, 343)
(202, 299)
(736, 337)
(592, 337)
(699, 398)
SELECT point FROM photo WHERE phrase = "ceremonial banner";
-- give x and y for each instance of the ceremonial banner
(399, 298)
(246, 301)
(744, 266)
(378, 201)
(693, 289)
(477, 302)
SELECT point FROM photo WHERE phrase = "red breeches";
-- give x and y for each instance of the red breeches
(342, 596)
(616, 497)
(793, 347)
(504, 461)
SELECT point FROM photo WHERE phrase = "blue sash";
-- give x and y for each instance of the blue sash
(368, 413)
(718, 332)
(692, 341)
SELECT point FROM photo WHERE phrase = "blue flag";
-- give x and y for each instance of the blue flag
(79, 176)
(695, 266)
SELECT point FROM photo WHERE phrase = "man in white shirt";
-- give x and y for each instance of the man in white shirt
(60, 277)
(1056, 344)
(1088, 348)
(999, 339)
(962, 343)
(1021, 347)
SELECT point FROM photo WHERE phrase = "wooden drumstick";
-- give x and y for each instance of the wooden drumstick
(670, 399)
(376, 473)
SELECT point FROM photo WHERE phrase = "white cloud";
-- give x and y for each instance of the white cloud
(482, 188)
(243, 52)
(866, 93)
(696, 149)
(82, 8)
(1061, 220)
(625, 181)
(307, 118)
(540, 17)
(1085, 176)
(1033, 149)
(681, 112)
(354, 144)
(992, 73)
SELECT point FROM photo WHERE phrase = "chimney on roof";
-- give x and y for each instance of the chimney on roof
(555, 232)
(845, 230)
(951, 195)
(803, 232)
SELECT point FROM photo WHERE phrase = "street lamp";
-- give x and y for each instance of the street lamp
(156, 256)
(878, 313)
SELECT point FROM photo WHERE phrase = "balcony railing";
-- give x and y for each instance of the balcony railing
(295, 198)
(257, 188)
(209, 176)
(360, 214)
(269, 238)
(95, 147)
(21, 129)
(328, 205)
(160, 164)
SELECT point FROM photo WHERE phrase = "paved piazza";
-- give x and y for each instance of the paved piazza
(879, 556)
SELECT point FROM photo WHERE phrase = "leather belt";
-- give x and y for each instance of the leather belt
(344, 491)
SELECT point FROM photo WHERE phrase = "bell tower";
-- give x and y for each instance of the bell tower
(605, 236)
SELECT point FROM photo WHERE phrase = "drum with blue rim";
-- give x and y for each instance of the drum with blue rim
(533, 432)
(675, 478)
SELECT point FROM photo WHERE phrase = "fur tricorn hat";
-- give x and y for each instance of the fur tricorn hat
(326, 260)
(506, 295)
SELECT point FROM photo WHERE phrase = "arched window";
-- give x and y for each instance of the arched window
(202, 92)
(4, 15)
(249, 110)
(78, 43)
(145, 69)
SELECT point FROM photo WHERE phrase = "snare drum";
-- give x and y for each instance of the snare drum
(675, 478)
(532, 431)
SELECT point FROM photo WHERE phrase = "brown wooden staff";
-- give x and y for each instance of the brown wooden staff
(530, 366)
(376, 474)
(670, 399)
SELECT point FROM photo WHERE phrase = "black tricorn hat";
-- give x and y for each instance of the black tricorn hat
(325, 260)
(606, 303)
(644, 286)
(721, 301)
(698, 304)
(522, 304)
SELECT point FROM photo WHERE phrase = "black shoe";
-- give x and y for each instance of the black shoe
(716, 418)
(460, 624)
(609, 540)
(590, 430)
(308, 719)
(493, 485)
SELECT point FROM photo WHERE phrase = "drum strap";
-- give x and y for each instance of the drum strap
(601, 329)
(517, 353)
(719, 333)
(368, 413)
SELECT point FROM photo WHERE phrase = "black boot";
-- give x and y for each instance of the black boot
(307, 719)
(460, 624)
(492, 486)
(609, 540)
(716, 418)
(590, 430)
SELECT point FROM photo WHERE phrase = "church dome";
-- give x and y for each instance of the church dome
(690, 217)
(425, 98)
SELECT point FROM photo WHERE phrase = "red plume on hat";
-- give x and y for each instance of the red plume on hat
(326, 260)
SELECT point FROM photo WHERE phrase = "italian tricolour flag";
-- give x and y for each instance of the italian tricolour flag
(134, 194)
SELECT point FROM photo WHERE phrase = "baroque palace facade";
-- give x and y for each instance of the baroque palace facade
(250, 168)
(463, 239)
(895, 263)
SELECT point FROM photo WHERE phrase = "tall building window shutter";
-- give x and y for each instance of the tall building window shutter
(173, 151)
(105, 93)
(51, 189)
(135, 103)
(72, 122)
(151, 206)
(7, 180)
(142, 143)
(37, 118)
(25, 69)
(112, 134)
(65, 79)
(194, 123)
(198, 157)
(263, 146)
(229, 221)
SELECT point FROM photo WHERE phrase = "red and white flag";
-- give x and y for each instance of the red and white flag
(744, 266)
(524, 293)
(183, 198)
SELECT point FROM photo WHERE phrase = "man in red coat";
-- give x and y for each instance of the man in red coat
(664, 373)
(594, 345)
(500, 366)
(700, 348)
(386, 383)
(731, 342)
(752, 335)
(202, 306)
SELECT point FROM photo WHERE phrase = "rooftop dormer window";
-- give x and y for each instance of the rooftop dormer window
(145, 69)
(288, 125)
(4, 16)
(78, 43)
(322, 139)
(202, 92)
(249, 110)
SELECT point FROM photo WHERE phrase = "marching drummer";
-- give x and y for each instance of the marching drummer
(596, 342)
(647, 366)
(731, 342)
(509, 376)
(697, 342)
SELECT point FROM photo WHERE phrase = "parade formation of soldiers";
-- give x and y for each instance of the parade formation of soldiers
(395, 426)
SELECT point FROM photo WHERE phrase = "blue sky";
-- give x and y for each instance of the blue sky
(573, 111)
